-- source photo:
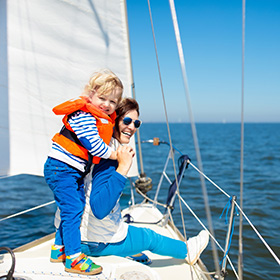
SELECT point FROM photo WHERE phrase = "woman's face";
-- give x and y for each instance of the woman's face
(127, 131)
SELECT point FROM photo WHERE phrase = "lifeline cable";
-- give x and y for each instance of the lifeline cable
(227, 195)
(259, 235)
(212, 237)
(241, 211)
(27, 210)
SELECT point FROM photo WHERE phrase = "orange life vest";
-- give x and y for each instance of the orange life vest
(104, 125)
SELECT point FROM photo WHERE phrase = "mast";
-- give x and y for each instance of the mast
(4, 104)
(144, 183)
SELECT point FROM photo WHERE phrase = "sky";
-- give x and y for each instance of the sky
(211, 35)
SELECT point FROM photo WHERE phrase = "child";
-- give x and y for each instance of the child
(84, 138)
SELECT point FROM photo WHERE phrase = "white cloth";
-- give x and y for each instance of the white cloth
(111, 229)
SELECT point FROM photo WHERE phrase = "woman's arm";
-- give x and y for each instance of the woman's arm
(108, 183)
(107, 186)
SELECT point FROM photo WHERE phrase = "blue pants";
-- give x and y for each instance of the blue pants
(136, 241)
(67, 185)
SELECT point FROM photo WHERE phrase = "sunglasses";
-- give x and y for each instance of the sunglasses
(128, 120)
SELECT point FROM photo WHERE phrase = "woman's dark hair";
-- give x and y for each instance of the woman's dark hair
(126, 105)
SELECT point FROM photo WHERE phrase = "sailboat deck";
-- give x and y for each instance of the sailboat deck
(33, 263)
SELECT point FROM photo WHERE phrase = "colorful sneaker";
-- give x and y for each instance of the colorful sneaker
(196, 245)
(57, 254)
(82, 265)
(141, 257)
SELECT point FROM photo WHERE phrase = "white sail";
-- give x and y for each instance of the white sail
(48, 50)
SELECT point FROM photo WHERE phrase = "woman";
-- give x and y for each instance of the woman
(102, 229)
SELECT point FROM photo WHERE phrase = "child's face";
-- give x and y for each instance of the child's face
(106, 103)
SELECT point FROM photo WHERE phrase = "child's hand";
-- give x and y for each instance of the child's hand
(113, 155)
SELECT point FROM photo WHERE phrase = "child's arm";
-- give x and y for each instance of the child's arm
(84, 126)
(113, 155)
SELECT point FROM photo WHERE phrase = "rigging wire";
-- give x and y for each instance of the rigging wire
(5, 177)
(241, 213)
(213, 183)
(27, 210)
(259, 235)
(183, 70)
(197, 218)
(240, 252)
(191, 211)
(223, 192)
(239, 208)
(166, 116)
(168, 128)
(212, 237)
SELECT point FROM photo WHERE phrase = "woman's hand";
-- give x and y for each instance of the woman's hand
(125, 155)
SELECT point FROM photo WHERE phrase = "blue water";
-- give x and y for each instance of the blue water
(220, 153)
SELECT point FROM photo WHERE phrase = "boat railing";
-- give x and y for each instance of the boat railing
(232, 201)
(27, 210)
(9, 276)
(241, 211)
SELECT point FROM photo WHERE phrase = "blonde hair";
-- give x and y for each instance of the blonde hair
(103, 82)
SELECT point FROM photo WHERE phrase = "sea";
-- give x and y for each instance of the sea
(220, 152)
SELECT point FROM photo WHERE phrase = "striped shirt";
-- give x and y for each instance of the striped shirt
(84, 126)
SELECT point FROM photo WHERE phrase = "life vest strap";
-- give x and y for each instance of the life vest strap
(70, 135)
(73, 137)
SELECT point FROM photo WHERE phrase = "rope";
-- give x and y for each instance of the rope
(151, 200)
(26, 211)
(230, 239)
(227, 208)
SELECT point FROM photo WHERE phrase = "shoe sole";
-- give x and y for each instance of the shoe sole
(57, 260)
(96, 271)
(141, 258)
